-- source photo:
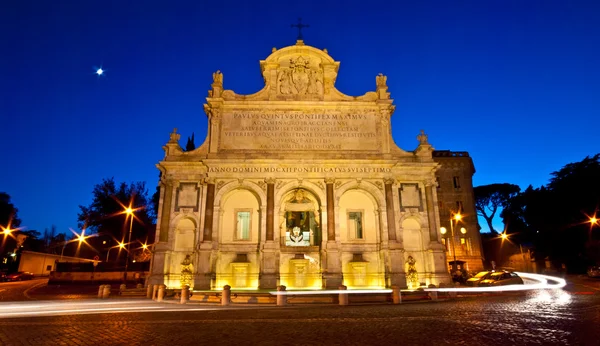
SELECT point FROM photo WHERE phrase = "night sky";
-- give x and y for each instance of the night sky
(514, 83)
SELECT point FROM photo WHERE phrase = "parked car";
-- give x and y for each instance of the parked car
(475, 280)
(594, 272)
(501, 278)
(19, 276)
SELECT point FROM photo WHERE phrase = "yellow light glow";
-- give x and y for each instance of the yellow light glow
(463, 230)
(144, 246)
(128, 211)
(443, 230)
(593, 220)
(122, 245)
(457, 217)
(504, 236)
(7, 231)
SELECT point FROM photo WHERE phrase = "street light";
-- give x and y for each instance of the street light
(119, 245)
(457, 217)
(129, 212)
(78, 237)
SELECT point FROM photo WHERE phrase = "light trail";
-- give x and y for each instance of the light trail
(542, 284)
(293, 293)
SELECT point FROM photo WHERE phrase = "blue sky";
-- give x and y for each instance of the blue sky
(514, 83)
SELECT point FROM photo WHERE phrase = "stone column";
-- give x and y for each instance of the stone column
(433, 227)
(270, 208)
(208, 212)
(389, 204)
(330, 210)
(269, 269)
(165, 214)
(438, 251)
(332, 270)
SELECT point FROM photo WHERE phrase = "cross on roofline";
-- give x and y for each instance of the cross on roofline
(300, 26)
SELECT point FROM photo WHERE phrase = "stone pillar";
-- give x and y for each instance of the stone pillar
(281, 297)
(433, 226)
(433, 295)
(122, 288)
(389, 204)
(208, 212)
(185, 294)
(165, 214)
(161, 293)
(330, 211)
(100, 291)
(438, 251)
(270, 209)
(343, 298)
(149, 291)
(106, 292)
(155, 292)
(396, 295)
(226, 295)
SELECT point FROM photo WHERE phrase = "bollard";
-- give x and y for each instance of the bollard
(185, 294)
(281, 298)
(106, 292)
(433, 295)
(155, 291)
(396, 297)
(100, 291)
(122, 288)
(452, 294)
(343, 296)
(149, 291)
(139, 286)
(226, 295)
(161, 293)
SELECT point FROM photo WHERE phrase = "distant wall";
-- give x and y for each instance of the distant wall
(89, 277)
(41, 264)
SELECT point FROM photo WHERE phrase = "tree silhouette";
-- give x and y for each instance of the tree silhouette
(489, 198)
(190, 145)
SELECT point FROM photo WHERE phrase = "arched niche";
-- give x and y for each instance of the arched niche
(413, 240)
(185, 232)
(240, 217)
(300, 219)
(357, 217)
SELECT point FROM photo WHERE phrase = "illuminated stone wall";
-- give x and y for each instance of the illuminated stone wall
(331, 198)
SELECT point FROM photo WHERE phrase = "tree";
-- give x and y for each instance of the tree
(8, 212)
(190, 145)
(489, 198)
(105, 215)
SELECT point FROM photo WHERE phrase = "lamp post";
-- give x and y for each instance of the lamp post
(119, 245)
(129, 213)
(457, 217)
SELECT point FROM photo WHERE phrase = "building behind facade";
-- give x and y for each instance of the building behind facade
(303, 186)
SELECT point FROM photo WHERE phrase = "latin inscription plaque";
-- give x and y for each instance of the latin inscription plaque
(295, 130)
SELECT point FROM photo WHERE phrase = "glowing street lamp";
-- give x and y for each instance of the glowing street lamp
(455, 218)
(129, 212)
(7, 230)
(120, 245)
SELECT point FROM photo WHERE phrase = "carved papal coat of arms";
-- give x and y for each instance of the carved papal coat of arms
(300, 79)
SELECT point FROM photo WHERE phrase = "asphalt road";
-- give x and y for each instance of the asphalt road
(558, 317)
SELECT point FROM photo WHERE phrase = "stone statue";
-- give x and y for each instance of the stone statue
(381, 81)
(218, 78)
(412, 277)
(422, 138)
(174, 138)
(187, 269)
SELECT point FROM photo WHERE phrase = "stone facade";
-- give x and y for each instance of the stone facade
(298, 185)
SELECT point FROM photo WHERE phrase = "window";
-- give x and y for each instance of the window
(355, 226)
(445, 244)
(242, 224)
(459, 206)
(456, 182)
